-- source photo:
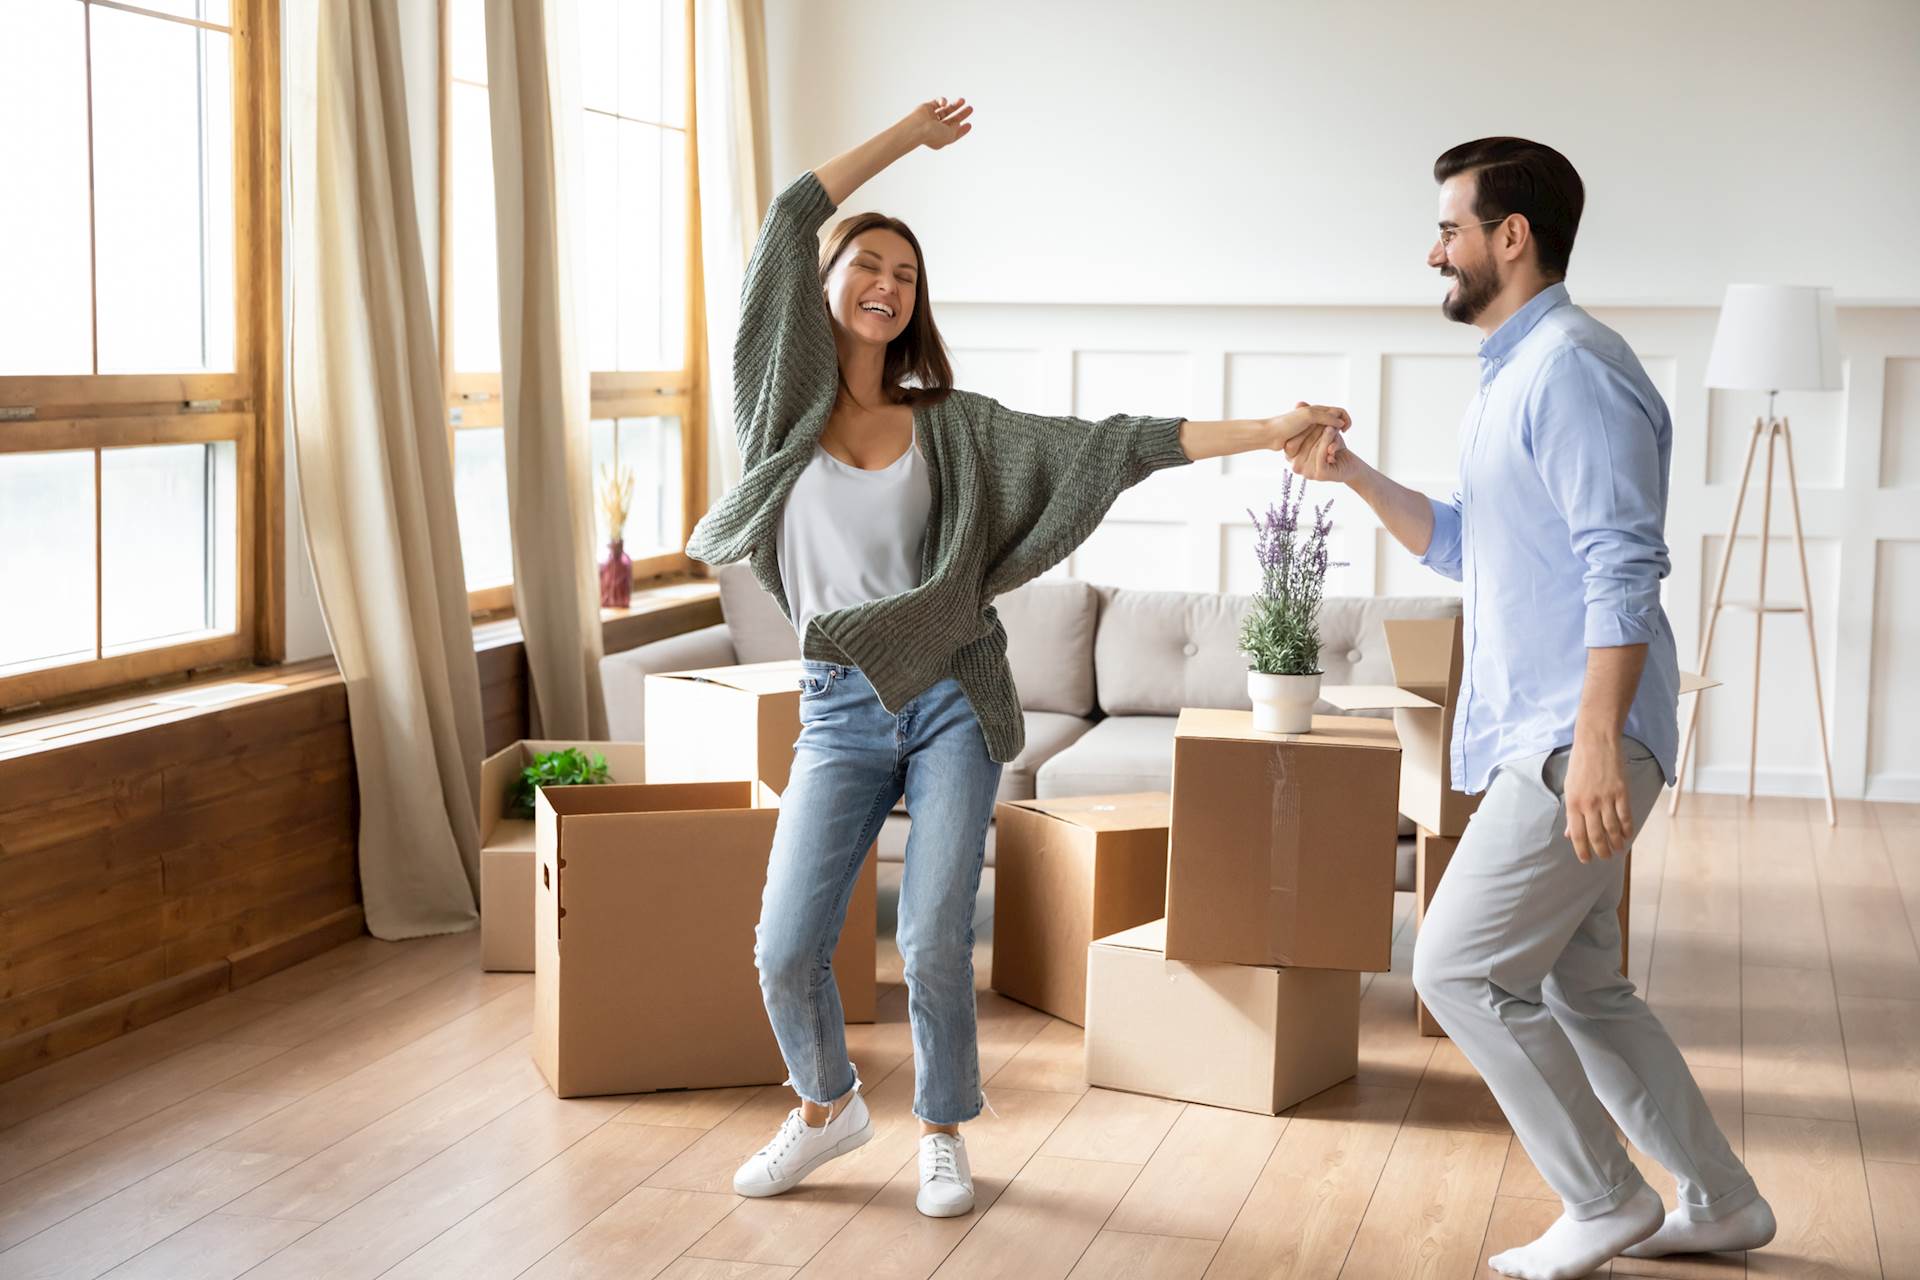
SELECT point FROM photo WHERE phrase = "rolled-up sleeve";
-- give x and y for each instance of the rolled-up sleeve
(1443, 549)
(1598, 456)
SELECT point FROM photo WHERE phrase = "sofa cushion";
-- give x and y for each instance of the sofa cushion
(1159, 651)
(1121, 754)
(623, 675)
(761, 633)
(1048, 734)
(1050, 627)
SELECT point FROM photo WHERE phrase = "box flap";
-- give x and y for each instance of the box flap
(1329, 731)
(626, 762)
(1691, 683)
(1144, 810)
(1151, 936)
(754, 678)
(1424, 653)
(1374, 697)
(670, 797)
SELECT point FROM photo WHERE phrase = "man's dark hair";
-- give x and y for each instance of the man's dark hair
(1512, 175)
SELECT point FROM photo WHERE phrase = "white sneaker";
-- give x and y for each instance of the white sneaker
(798, 1149)
(946, 1180)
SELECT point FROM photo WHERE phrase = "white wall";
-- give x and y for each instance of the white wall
(1282, 150)
(1135, 155)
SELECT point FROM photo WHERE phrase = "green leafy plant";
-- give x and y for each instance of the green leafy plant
(570, 767)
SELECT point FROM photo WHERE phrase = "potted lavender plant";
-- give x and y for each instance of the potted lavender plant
(1281, 635)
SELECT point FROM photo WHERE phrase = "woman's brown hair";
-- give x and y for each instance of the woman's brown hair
(917, 370)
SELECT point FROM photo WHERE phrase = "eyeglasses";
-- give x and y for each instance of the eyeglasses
(1448, 233)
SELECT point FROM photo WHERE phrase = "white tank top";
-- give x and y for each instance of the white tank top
(848, 536)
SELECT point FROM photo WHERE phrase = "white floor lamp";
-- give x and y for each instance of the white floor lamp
(1771, 338)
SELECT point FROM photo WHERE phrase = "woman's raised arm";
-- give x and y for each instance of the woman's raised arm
(932, 124)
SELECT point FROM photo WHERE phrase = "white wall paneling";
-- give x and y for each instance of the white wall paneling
(1406, 375)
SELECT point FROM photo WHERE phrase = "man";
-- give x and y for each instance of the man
(1567, 721)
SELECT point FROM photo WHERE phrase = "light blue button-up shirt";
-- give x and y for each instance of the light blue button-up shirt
(1558, 531)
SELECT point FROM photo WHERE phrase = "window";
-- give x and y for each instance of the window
(636, 241)
(139, 342)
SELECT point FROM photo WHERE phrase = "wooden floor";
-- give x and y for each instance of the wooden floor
(374, 1113)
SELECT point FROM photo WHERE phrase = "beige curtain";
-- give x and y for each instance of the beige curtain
(375, 473)
(531, 45)
(730, 105)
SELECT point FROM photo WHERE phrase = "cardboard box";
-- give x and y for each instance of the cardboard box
(1255, 1038)
(1426, 657)
(1067, 871)
(646, 899)
(723, 724)
(506, 846)
(1283, 845)
(1432, 853)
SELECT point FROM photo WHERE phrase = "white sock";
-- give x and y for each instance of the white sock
(1751, 1227)
(1573, 1247)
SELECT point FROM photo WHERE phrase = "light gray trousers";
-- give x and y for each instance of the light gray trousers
(1518, 959)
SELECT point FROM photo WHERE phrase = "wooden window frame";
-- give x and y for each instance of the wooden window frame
(475, 400)
(90, 411)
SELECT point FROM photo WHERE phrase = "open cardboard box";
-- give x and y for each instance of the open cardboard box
(1251, 1037)
(1282, 846)
(720, 724)
(1426, 657)
(506, 845)
(1067, 871)
(646, 900)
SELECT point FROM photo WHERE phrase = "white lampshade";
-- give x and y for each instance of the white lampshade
(1775, 337)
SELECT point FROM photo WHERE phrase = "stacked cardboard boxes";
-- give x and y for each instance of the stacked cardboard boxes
(1067, 871)
(727, 724)
(1279, 895)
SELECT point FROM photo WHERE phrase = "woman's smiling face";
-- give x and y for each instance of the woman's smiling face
(871, 290)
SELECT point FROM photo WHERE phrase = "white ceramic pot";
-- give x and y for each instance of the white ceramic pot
(1283, 704)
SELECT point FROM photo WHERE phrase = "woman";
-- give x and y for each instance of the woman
(884, 511)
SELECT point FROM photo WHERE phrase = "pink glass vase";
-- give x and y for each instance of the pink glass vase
(616, 577)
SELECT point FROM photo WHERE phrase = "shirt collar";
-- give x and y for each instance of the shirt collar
(1501, 342)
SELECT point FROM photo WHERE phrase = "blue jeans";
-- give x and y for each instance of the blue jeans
(853, 761)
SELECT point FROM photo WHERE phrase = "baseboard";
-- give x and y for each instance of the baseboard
(41, 1046)
(268, 958)
(31, 1050)
(1731, 780)
(1898, 788)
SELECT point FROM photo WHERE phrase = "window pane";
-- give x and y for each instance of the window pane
(46, 325)
(476, 267)
(467, 36)
(163, 194)
(46, 558)
(649, 261)
(673, 62)
(219, 11)
(601, 54)
(480, 500)
(599, 240)
(167, 551)
(640, 59)
(651, 446)
(600, 437)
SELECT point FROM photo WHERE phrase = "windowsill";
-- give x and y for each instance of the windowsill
(656, 611)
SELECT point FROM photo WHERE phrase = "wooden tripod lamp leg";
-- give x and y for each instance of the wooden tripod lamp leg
(1760, 608)
(1813, 649)
(1713, 615)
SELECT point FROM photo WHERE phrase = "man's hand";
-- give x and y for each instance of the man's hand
(1599, 810)
(1322, 454)
(1303, 420)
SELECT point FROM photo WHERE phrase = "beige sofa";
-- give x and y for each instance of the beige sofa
(1102, 671)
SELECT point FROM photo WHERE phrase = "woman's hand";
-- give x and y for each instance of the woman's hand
(1304, 418)
(1322, 454)
(939, 123)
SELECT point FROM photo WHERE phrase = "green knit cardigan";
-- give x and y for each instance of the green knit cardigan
(1013, 493)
